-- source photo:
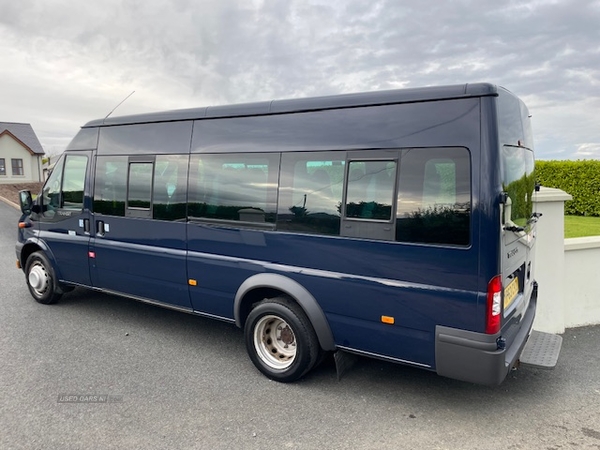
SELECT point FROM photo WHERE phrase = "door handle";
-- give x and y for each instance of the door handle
(100, 228)
(86, 226)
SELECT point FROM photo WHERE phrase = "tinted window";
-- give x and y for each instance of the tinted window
(111, 185)
(139, 185)
(165, 196)
(64, 189)
(518, 181)
(170, 185)
(310, 194)
(51, 196)
(74, 182)
(234, 187)
(434, 197)
(514, 123)
(370, 189)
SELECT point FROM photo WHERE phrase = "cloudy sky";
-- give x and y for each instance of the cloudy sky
(65, 62)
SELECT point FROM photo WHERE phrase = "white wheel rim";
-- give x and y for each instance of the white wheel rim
(38, 279)
(275, 342)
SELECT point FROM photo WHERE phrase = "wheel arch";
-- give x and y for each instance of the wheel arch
(269, 285)
(31, 247)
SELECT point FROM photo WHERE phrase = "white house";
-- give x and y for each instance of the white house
(20, 154)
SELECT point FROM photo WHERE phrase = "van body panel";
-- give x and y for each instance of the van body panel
(426, 124)
(142, 258)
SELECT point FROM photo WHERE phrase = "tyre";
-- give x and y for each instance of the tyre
(280, 339)
(41, 280)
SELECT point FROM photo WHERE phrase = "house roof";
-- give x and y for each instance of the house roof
(23, 132)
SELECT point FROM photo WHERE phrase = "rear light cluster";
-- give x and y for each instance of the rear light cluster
(493, 312)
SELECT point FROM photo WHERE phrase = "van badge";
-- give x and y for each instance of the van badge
(512, 253)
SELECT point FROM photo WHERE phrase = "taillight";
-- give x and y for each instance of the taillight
(493, 312)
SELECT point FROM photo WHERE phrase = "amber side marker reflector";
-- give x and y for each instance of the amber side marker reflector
(192, 282)
(387, 319)
(18, 264)
(23, 225)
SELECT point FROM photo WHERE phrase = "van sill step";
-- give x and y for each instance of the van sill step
(541, 350)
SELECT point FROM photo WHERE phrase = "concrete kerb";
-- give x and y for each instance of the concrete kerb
(10, 203)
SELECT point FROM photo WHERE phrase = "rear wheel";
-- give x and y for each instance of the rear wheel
(280, 339)
(41, 280)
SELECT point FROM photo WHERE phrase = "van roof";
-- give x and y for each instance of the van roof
(307, 104)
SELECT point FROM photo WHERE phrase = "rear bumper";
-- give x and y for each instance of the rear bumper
(475, 357)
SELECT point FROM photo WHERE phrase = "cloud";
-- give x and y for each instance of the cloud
(74, 61)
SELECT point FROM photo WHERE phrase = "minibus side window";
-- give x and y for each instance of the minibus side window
(370, 190)
(434, 197)
(51, 198)
(64, 189)
(111, 185)
(170, 186)
(234, 187)
(139, 189)
(74, 182)
(310, 194)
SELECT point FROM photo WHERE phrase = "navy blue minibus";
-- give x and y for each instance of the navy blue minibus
(398, 225)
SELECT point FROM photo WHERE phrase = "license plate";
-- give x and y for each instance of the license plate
(510, 292)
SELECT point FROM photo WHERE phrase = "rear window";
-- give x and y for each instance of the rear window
(518, 181)
(517, 158)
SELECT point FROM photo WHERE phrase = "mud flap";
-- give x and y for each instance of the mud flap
(343, 362)
(541, 350)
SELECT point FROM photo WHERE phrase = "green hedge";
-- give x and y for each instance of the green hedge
(581, 179)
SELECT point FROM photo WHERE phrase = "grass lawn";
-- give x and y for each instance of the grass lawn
(580, 226)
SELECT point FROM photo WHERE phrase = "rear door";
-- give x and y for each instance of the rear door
(518, 236)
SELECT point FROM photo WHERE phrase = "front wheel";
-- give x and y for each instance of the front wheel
(280, 339)
(41, 280)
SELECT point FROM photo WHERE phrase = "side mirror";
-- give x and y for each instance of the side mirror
(25, 201)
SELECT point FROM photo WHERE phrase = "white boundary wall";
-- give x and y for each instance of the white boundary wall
(567, 270)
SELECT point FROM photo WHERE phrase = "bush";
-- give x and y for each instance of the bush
(581, 179)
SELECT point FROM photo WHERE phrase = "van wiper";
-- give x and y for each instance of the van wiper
(534, 218)
(514, 228)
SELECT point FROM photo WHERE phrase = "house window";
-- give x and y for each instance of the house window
(2, 166)
(17, 166)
